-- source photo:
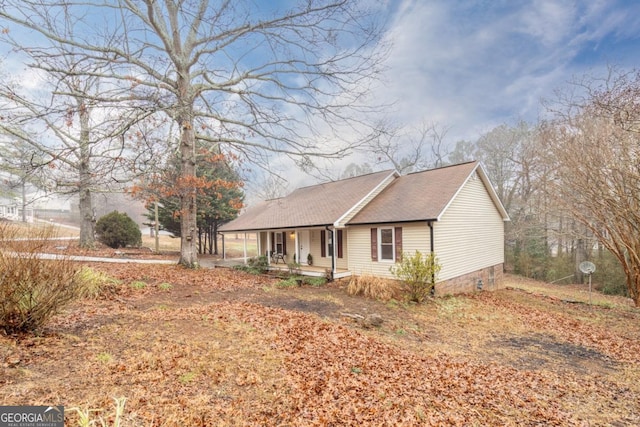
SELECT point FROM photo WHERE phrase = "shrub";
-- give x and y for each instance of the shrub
(314, 281)
(289, 282)
(33, 289)
(609, 277)
(118, 230)
(372, 287)
(254, 265)
(93, 284)
(418, 274)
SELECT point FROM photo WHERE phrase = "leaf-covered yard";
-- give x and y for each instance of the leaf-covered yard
(219, 347)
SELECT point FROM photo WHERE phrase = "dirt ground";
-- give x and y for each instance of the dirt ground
(220, 347)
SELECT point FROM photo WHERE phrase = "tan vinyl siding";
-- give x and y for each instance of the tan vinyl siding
(344, 261)
(325, 262)
(415, 236)
(470, 233)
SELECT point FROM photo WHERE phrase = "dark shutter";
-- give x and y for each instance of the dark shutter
(339, 243)
(273, 241)
(374, 244)
(398, 232)
(284, 243)
(323, 244)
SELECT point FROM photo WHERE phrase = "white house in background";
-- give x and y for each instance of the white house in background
(363, 225)
(11, 209)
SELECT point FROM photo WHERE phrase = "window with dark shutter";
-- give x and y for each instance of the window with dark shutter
(339, 243)
(323, 243)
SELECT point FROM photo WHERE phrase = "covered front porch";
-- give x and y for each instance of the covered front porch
(312, 251)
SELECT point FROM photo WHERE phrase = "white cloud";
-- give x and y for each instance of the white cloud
(474, 65)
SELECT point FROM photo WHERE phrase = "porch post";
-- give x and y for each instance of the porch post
(244, 242)
(268, 247)
(334, 254)
(258, 245)
(297, 252)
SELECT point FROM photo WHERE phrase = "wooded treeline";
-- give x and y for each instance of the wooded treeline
(571, 184)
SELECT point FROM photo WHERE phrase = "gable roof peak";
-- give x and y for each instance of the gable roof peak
(343, 180)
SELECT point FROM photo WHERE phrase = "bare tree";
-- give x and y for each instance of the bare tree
(594, 147)
(73, 135)
(260, 80)
(355, 169)
(409, 149)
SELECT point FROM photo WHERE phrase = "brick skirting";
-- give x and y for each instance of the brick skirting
(492, 279)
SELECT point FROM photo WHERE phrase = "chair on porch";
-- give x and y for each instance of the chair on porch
(276, 257)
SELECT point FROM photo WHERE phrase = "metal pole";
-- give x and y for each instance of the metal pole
(157, 228)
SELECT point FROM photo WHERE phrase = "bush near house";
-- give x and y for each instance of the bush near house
(418, 274)
(118, 230)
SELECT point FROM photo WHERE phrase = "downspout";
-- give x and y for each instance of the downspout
(431, 236)
(333, 255)
(432, 245)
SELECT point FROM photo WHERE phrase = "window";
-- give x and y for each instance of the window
(386, 244)
(279, 245)
(329, 244)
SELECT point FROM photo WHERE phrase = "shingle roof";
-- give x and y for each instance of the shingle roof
(315, 205)
(417, 196)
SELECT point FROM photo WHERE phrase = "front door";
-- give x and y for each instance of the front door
(303, 245)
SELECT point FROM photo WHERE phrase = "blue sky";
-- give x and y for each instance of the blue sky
(472, 65)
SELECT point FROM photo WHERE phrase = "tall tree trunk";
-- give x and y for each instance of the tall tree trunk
(580, 256)
(24, 200)
(215, 238)
(188, 208)
(87, 219)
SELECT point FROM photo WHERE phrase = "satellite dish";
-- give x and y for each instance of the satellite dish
(587, 267)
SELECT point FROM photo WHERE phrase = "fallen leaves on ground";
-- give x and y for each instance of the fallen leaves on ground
(193, 355)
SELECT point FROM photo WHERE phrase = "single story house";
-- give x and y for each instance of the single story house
(363, 225)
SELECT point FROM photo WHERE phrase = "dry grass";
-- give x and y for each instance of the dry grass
(234, 247)
(35, 228)
(373, 287)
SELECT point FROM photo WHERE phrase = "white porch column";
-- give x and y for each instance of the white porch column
(334, 237)
(297, 251)
(244, 241)
(224, 247)
(268, 247)
(258, 245)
